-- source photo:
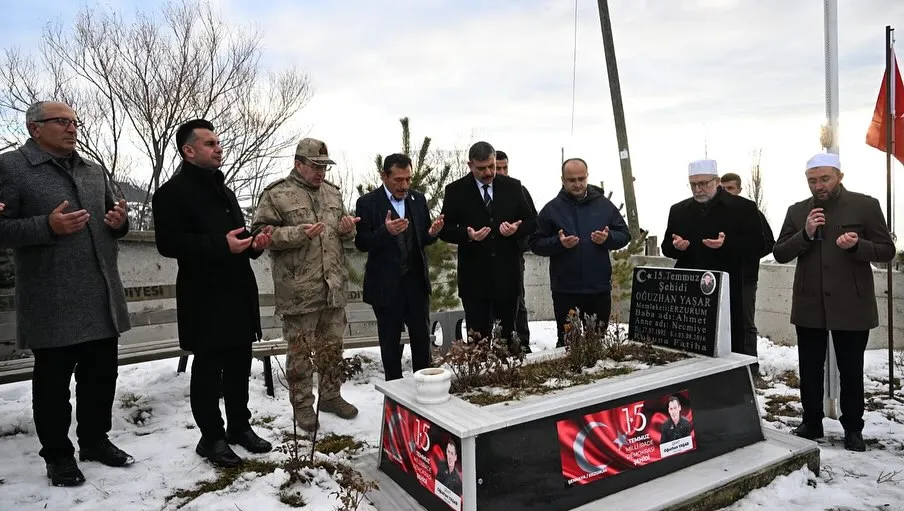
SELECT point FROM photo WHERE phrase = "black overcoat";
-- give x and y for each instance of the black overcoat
(744, 242)
(490, 268)
(216, 292)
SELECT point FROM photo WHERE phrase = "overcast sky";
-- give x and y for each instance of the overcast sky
(740, 74)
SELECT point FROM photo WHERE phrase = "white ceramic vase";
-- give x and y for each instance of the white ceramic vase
(432, 385)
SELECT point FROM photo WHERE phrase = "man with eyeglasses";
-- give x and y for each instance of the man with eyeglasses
(715, 230)
(63, 223)
(577, 230)
(310, 279)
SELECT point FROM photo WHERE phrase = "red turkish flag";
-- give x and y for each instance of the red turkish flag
(875, 135)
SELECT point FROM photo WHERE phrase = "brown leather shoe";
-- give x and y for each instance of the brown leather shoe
(340, 407)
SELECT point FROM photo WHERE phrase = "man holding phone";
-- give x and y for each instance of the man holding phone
(198, 221)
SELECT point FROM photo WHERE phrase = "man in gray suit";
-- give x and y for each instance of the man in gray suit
(63, 224)
(834, 235)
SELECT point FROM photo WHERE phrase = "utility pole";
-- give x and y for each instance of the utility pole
(618, 111)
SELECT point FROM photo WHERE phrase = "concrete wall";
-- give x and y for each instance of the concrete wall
(141, 265)
(773, 305)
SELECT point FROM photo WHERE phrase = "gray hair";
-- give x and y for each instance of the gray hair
(35, 111)
(481, 151)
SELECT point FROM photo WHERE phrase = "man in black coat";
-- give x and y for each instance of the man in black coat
(715, 230)
(522, 325)
(394, 229)
(731, 183)
(486, 215)
(198, 222)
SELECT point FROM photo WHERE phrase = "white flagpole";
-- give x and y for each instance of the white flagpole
(832, 384)
(891, 116)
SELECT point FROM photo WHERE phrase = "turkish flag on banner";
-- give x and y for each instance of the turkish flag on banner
(875, 135)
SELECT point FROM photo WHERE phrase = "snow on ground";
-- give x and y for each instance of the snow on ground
(152, 421)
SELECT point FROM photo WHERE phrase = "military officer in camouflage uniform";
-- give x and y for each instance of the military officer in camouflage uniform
(310, 279)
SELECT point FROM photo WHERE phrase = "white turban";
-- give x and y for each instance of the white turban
(702, 167)
(824, 160)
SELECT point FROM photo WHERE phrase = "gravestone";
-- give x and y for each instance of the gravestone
(683, 309)
(682, 436)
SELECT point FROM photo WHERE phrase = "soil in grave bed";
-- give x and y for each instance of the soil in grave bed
(545, 376)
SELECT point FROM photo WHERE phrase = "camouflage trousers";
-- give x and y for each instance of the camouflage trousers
(316, 336)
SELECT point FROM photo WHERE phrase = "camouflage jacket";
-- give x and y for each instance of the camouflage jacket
(308, 274)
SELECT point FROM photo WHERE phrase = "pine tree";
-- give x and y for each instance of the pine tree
(431, 172)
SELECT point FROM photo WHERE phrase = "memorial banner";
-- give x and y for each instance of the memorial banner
(609, 442)
(422, 449)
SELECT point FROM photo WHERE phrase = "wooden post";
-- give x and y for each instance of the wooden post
(618, 112)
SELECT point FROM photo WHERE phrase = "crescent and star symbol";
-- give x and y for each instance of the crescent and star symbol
(579, 456)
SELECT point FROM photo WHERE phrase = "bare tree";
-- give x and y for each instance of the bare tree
(755, 189)
(138, 81)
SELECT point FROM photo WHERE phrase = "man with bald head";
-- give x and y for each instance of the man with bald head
(63, 222)
(576, 230)
(834, 235)
(715, 230)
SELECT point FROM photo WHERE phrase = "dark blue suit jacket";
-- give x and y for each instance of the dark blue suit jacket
(382, 272)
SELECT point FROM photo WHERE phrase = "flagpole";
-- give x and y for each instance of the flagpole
(832, 380)
(890, 74)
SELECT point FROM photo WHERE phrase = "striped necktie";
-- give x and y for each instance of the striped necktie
(486, 196)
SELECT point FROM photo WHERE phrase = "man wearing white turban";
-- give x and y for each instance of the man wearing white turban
(834, 235)
(715, 230)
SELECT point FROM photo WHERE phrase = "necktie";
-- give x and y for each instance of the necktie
(486, 196)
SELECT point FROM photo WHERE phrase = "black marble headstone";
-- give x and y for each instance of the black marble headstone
(521, 467)
(676, 308)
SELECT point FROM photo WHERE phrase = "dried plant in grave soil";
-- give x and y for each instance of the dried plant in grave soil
(481, 360)
(482, 363)
(583, 340)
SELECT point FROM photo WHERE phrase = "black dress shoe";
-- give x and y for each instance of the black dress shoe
(105, 452)
(64, 472)
(250, 441)
(218, 452)
(853, 441)
(810, 431)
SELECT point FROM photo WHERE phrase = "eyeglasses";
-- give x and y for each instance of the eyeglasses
(63, 121)
(320, 167)
(701, 184)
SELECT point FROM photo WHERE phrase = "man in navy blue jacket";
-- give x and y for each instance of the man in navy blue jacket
(576, 230)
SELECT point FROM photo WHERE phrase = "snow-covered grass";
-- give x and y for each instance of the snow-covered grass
(152, 420)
